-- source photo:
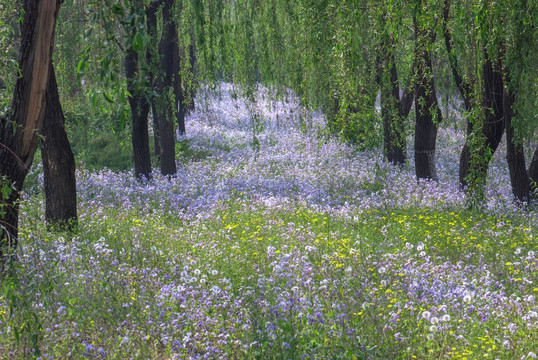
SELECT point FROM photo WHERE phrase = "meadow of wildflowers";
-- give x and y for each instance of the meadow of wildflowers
(276, 240)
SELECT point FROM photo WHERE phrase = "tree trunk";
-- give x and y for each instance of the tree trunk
(169, 61)
(139, 117)
(162, 75)
(428, 113)
(189, 106)
(152, 60)
(493, 127)
(463, 86)
(515, 154)
(532, 171)
(392, 112)
(58, 163)
(18, 133)
(168, 144)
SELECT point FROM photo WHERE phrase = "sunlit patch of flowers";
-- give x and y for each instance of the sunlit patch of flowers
(294, 246)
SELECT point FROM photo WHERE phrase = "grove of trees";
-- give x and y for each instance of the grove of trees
(364, 64)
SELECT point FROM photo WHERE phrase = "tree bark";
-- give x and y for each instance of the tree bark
(532, 171)
(152, 59)
(493, 127)
(428, 113)
(139, 117)
(58, 163)
(18, 133)
(463, 87)
(162, 75)
(190, 105)
(394, 111)
(169, 61)
(515, 155)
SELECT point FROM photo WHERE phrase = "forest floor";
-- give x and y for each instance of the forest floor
(277, 241)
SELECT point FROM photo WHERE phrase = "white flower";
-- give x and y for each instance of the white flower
(382, 270)
(422, 254)
(518, 251)
(531, 254)
(433, 328)
(434, 320)
(214, 272)
(383, 283)
(420, 246)
(512, 327)
(445, 318)
(197, 272)
(467, 298)
(409, 246)
(426, 315)
(270, 251)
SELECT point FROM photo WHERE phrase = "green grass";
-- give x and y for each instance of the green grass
(110, 278)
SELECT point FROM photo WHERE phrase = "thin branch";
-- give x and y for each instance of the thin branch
(453, 61)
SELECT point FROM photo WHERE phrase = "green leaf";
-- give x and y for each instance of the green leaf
(138, 41)
(82, 65)
(117, 9)
(107, 97)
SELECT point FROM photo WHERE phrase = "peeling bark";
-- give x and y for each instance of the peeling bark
(18, 133)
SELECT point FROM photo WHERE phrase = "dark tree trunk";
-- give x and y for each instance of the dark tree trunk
(139, 117)
(515, 154)
(428, 113)
(532, 171)
(58, 163)
(463, 87)
(152, 59)
(493, 127)
(189, 106)
(18, 133)
(394, 112)
(161, 64)
(169, 61)
(168, 144)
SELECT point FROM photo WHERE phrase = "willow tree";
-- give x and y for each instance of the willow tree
(516, 49)
(353, 87)
(395, 105)
(479, 80)
(137, 82)
(163, 71)
(428, 113)
(494, 75)
(18, 132)
(155, 40)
